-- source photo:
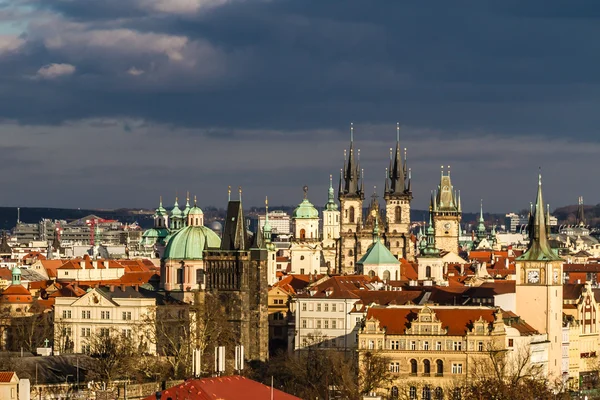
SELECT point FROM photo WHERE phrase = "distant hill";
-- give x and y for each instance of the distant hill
(8, 215)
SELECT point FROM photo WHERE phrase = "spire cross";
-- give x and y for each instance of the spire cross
(351, 131)
(398, 132)
(330, 181)
(195, 201)
(305, 188)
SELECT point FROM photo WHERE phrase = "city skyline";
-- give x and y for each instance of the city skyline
(112, 105)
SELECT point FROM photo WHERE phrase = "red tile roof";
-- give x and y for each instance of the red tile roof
(223, 388)
(456, 320)
(6, 376)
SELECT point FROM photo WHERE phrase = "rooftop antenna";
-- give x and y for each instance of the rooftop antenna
(18, 215)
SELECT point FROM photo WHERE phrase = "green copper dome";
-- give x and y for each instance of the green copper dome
(176, 211)
(154, 235)
(190, 242)
(305, 210)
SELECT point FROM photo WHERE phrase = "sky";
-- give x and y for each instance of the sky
(111, 103)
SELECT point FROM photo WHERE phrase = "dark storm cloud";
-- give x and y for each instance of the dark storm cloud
(289, 76)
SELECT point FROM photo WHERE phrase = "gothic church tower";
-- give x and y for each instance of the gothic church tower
(447, 214)
(398, 196)
(351, 196)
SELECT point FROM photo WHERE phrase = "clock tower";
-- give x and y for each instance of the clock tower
(447, 214)
(539, 285)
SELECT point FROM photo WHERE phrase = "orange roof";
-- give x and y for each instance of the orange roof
(51, 266)
(340, 286)
(6, 376)
(16, 294)
(456, 320)
(408, 271)
(223, 388)
(6, 274)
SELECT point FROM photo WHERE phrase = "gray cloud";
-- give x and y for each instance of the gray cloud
(208, 91)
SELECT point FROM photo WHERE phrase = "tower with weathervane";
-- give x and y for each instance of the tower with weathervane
(539, 284)
(398, 196)
(447, 214)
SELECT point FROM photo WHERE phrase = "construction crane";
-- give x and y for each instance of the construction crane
(93, 224)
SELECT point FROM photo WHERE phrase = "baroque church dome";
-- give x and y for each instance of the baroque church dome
(190, 242)
(305, 210)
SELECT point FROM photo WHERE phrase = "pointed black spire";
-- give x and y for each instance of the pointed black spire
(352, 170)
(397, 172)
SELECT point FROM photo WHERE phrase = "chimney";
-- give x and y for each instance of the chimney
(112, 288)
(137, 288)
(122, 287)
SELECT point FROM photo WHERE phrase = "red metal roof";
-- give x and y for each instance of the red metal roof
(222, 388)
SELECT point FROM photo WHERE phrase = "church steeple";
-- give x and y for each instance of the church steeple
(331, 205)
(352, 172)
(398, 169)
(480, 230)
(539, 248)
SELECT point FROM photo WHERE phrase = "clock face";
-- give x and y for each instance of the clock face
(555, 276)
(533, 276)
(447, 225)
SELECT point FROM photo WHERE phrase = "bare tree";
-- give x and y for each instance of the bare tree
(114, 355)
(374, 372)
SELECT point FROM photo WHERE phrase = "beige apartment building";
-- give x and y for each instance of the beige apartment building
(103, 311)
(433, 349)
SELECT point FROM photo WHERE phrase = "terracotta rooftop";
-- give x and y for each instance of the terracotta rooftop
(456, 320)
(223, 388)
(6, 376)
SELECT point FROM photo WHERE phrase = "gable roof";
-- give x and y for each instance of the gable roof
(7, 376)
(456, 320)
(223, 388)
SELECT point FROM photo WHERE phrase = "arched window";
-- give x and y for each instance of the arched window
(397, 244)
(428, 271)
(413, 366)
(371, 274)
(350, 253)
(386, 275)
(302, 234)
(412, 393)
(439, 393)
(440, 367)
(426, 367)
(351, 218)
(426, 393)
(394, 392)
(398, 214)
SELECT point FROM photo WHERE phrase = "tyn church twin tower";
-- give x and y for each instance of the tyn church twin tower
(356, 232)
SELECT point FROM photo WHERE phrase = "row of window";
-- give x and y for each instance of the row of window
(86, 314)
(325, 342)
(412, 345)
(457, 368)
(325, 307)
(87, 332)
(319, 323)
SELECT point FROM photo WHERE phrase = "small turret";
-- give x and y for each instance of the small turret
(331, 205)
